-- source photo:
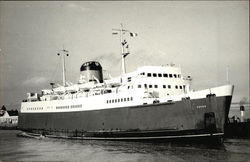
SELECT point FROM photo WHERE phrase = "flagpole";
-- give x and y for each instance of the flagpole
(64, 70)
(228, 75)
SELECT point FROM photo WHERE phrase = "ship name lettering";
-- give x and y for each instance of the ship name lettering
(201, 106)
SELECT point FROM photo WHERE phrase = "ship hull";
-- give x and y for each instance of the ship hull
(185, 119)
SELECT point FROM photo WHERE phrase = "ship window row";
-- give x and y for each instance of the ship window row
(67, 107)
(163, 86)
(35, 108)
(62, 107)
(120, 100)
(76, 106)
(165, 75)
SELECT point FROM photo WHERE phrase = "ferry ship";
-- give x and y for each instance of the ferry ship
(150, 103)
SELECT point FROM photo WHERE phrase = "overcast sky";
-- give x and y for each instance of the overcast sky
(203, 37)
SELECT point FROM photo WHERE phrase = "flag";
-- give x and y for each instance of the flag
(133, 34)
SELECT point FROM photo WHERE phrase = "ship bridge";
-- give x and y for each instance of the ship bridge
(159, 80)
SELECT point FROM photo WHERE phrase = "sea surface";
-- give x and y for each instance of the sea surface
(13, 148)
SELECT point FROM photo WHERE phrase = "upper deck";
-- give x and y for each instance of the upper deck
(159, 81)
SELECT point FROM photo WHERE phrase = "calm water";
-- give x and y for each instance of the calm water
(13, 148)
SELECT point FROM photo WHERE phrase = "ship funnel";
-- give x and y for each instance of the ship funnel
(91, 72)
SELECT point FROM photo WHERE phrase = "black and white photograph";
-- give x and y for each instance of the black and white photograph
(116, 81)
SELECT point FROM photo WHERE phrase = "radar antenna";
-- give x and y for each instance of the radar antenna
(124, 44)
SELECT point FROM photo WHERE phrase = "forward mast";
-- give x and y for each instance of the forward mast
(63, 54)
(124, 44)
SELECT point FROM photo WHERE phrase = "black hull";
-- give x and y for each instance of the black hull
(184, 119)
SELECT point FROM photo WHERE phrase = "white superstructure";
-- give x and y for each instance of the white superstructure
(146, 85)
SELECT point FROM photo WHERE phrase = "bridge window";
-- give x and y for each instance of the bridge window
(150, 86)
(159, 75)
(156, 86)
(139, 86)
(145, 85)
(142, 73)
(180, 87)
(175, 75)
(170, 75)
(165, 75)
(179, 75)
(121, 99)
(164, 86)
(149, 74)
(154, 75)
(169, 86)
(176, 87)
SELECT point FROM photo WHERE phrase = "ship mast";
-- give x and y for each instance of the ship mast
(63, 54)
(122, 50)
(124, 45)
